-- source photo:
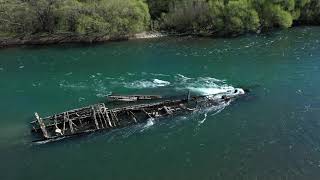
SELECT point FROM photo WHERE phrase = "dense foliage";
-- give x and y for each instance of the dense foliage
(109, 17)
(236, 16)
(125, 17)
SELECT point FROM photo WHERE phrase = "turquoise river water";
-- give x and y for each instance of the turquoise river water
(273, 133)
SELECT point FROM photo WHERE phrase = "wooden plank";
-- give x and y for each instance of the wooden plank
(42, 126)
(95, 118)
(113, 118)
(100, 118)
(64, 125)
(55, 122)
(131, 98)
(146, 113)
(103, 114)
(115, 115)
(108, 118)
(70, 123)
(168, 111)
(133, 116)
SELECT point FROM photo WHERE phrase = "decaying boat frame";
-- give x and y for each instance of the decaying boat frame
(99, 117)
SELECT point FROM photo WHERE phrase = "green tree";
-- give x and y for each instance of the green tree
(16, 17)
(218, 14)
(274, 13)
(69, 13)
(188, 16)
(241, 17)
(158, 7)
(44, 10)
(311, 12)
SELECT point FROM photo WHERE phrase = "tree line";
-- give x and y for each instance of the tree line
(232, 16)
(108, 17)
(125, 17)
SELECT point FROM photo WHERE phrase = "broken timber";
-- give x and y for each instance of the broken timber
(132, 98)
(98, 117)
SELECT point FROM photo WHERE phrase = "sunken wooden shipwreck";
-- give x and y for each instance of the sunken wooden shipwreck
(100, 117)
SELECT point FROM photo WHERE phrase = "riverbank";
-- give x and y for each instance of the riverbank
(63, 38)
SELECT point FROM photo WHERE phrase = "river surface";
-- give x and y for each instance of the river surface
(273, 133)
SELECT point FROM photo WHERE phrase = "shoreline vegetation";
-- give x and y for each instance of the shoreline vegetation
(41, 22)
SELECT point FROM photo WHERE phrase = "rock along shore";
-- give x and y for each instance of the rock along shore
(70, 38)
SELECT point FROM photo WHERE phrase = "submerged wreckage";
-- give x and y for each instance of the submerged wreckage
(100, 117)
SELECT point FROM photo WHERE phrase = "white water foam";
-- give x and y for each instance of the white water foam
(161, 82)
(141, 84)
(202, 85)
(150, 123)
(215, 109)
(211, 90)
(76, 86)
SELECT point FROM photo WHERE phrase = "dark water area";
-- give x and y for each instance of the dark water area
(274, 133)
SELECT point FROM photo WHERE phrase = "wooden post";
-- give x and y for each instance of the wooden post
(42, 126)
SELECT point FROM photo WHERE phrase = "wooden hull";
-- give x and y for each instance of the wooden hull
(99, 118)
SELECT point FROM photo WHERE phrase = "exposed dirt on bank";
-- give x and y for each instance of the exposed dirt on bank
(70, 38)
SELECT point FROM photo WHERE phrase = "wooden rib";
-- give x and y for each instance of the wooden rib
(133, 116)
(70, 123)
(95, 118)
(110, 124)
(115, 116)
(100, 119)
(55, 122)
(64, 124)
(168, 111)
(112, 119)
(146, 113)
(103, 116)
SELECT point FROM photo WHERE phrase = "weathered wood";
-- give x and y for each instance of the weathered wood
(103, 114)
(112, 119)
(95, 118)
(132, 98)
(115, 117)
(108, 118)
(100, 118)
(55, 122)
(70, 123)
(168, 111)
(133, 116)
(145, 112)
(64, 125)
(42, 125)
(84, 110)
